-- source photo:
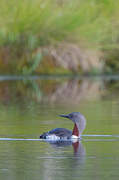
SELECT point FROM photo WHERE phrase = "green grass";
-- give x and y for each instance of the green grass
(28, 24)
(38, 22)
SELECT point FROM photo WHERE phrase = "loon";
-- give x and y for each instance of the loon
(65, 134)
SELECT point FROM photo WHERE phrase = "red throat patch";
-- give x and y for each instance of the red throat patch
(75, 130)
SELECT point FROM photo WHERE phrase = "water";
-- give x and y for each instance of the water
(30, 106)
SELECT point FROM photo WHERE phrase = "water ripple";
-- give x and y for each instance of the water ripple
(105, 137)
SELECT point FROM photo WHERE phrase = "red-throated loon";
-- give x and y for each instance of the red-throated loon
(62, 133)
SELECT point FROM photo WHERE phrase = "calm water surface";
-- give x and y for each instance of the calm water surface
(30, 107)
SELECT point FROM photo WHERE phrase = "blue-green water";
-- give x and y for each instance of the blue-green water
(30, 107)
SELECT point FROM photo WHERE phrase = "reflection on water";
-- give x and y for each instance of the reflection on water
(30, 107)
(64, 164)
(57, 90)
(77, 146)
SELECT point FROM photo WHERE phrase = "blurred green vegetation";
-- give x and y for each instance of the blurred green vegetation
(26, 26)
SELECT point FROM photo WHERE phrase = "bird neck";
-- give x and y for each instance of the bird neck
(75, 131)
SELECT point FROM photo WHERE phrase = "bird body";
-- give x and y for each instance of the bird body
(65, 134)
(57, 133)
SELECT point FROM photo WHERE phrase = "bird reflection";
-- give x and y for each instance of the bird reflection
(78, 147)
(64, 160)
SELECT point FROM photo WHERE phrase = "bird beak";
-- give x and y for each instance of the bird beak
(65, 116)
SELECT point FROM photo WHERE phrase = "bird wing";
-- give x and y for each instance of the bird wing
(61, 132)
